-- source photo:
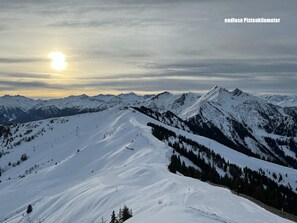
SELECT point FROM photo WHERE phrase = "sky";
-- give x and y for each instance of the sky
(146, 46)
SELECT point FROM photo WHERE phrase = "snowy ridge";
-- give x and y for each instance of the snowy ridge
(246, 121)
(84, 171)
(229, 101)
(281, 100)
(79, 101)
(184, 105)
(161, 101)
(15, 109)
(241, 159)
(17, 101)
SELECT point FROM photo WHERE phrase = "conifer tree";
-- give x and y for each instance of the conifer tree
(126, 213)
(113, 218)
(29, 209)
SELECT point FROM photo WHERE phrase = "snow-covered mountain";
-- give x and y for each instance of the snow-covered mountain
(17, 101)
(80, 168)
(12, 107)
(15, 109)
(281, 100)
(239, 120)
(246, 123)
(168, 102)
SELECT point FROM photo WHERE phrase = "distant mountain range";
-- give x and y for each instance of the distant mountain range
(281, 100)
(256, 126)
(112, 149)
(20, 109)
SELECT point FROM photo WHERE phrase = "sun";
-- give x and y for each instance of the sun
(58, 60)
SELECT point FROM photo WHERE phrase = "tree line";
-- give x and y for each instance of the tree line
(124, 214)
(206, 165)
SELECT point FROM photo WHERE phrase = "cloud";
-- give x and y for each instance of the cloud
(2, 28)
(12, 60)
(221, 67)
(148, 83)
(153, 45)
(115, 22)
(81, 23)
(258, 75)
(236, 69)
(273, 84)
(25, 75)
(25, 85)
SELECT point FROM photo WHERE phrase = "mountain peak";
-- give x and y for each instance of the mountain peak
(181, 99)
(215, 94)
(218, 88)
(130, 93)
(281, 100)
(82, 96)
(236, 92)
(244, 96)
(161, 94)
(165, 93)
(14, 96)
(13, 101)
(131, 96)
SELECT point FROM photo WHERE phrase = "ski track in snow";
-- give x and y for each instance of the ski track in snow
(103, 175)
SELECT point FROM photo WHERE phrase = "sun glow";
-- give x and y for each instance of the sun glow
(58, 61)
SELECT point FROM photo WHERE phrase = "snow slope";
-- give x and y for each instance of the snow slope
(242, 160)
(245, 120)
(166, 101)
(17, 101)
(19, 109)
(281, 100)
(90, 164)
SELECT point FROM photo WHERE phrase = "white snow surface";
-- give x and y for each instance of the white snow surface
(118, 162)
(243, 160)
(17, 101)
(74, 101)
(281, 100)
(219, 106)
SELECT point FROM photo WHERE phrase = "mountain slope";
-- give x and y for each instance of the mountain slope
(247, 124)
(281, 100)
(12, 107)
(237, 119)
(91, 164)
(168, 102)
(19, 109)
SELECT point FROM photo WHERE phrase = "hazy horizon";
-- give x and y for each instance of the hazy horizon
(146, 93)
